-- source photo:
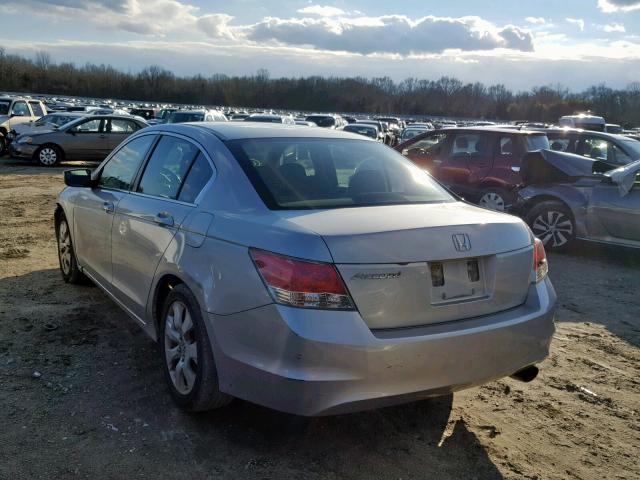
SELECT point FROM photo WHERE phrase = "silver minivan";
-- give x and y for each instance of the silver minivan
(309, 270)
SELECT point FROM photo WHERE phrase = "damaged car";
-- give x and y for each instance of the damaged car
(567, 197)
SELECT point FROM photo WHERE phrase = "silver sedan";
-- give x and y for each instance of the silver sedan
(309, 270)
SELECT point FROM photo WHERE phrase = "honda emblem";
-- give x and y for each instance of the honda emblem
(462, 242)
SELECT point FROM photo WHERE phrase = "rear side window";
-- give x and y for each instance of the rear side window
(200, 173)
(536, 142)
(167, 168)
(122, 167)
(21, 109)
(123, 126)
(507, 145)
(37, 109)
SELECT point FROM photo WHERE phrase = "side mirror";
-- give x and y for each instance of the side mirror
(80, 177)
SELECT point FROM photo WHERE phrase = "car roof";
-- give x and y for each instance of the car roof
(241, 130)
(581, 131)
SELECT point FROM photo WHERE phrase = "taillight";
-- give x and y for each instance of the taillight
(540, 265)
(299, 283)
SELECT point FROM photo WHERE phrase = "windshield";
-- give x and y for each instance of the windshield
(4, 107)
(181, 117)
(633, 147)
(322, 121)
(303, 173)
(536, 142)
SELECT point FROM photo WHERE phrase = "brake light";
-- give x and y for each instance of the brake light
(540, 265)
(300, 283)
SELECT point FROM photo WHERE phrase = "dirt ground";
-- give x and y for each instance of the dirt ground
(82, 393)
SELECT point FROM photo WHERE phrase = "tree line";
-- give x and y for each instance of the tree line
(381, 95)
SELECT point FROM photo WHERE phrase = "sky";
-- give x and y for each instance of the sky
(521, 44)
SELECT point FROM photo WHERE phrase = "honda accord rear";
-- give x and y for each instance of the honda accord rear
(328, 274)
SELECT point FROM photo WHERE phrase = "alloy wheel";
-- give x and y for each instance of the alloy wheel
(554, 228)
(180, 347)
(64, 247)
(48, 156)
(492, 201)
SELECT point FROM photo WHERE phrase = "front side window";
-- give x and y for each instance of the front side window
(167, 168)
(37, 109)
(303, 173)
(121, 169)
(431, 144)
(21, 109)
(469, 144)
(560, 144)
(90, 126)
(619, 157)
(596, 148)
(536, 142)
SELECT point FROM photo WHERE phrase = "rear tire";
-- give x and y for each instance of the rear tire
(187, 357)
(497, 199)
(48, 156)
(66, 254)
(553, 223)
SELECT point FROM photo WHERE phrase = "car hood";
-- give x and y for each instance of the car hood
(4, 118)
(548, 166)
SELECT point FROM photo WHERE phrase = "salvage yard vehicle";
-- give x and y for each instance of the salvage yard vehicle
(567, 197)
(308, 270)
(202, 115)
(610, 148)
(481, 164)
(15, 111)
(48, 122)
(268, 118)
(367, 130)
(87, 138)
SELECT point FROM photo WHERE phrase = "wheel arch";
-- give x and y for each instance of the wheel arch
(163, 286)
(49, 144)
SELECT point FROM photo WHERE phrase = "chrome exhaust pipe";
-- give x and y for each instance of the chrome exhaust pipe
(526, 374)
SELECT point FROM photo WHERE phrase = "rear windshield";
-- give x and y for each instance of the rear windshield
(321, 121)
(182, 117)
(536, 142)
(368, 131)
(303, 173)
(4, 107)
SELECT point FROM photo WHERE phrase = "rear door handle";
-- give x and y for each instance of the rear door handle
(163, 218)
(108, 207)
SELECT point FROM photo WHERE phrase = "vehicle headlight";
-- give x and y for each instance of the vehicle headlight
(24, 140)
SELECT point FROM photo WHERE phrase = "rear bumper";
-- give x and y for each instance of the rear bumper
(313, 362)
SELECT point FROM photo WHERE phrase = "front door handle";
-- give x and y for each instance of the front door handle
(108, 207)
(163, 218)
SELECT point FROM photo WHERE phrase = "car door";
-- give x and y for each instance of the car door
(86, 140)
(118, 129)
(94, 208)
(469, 158)
(147, 220)
(618, 214)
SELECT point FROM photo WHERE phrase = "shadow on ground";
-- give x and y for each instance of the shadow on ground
(99, 408)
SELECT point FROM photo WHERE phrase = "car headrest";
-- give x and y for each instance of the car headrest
(462, 143)
(367, 181)
(292, 172)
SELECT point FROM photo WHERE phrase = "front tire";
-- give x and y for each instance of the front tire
(48, 156)
(66, 254)
(187, 357)
(553, 223)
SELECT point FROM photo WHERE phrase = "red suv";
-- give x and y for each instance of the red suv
(479, 163)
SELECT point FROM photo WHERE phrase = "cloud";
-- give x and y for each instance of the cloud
(536, 20)
(613, 28)
(322, 11)
(577, 21)
(215, 25)
(612, 6)
(396, 34)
